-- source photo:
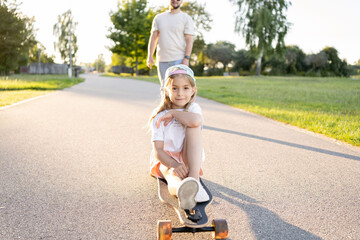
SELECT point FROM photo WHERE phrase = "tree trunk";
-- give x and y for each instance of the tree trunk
(136, 66)
(136, 57)
(258, 65)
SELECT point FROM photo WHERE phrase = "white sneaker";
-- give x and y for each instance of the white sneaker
(202, 195)
(186, 193)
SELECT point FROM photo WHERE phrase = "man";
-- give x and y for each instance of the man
(172, 31)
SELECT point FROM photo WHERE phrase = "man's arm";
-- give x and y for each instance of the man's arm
(151, 48)
(188, 48)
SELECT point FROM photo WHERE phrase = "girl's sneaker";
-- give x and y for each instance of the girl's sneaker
(202, 195)
(186, 193)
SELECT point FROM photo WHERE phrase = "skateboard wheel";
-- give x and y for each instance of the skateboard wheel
(164, 230)
(220, 229)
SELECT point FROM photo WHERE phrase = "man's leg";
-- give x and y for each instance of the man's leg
(163, 66)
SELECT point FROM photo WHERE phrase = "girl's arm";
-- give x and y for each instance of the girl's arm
(179, 169)
(189, 119)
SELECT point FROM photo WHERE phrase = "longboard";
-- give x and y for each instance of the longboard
(194, 220)
(185, 216)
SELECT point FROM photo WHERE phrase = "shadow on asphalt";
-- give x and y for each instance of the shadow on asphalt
(264, 223)
(309, 148)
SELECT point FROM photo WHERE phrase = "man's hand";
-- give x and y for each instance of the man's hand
(185, 61)
(150, 61)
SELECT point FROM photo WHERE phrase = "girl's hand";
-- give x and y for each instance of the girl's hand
(181, 171)
(167, 117)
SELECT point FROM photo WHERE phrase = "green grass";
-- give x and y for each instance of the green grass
(330, 106)
(20, 87)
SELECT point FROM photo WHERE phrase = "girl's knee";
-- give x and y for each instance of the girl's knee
(196, 130)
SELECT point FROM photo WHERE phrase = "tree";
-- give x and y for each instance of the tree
(64, 29)
(222, 52)
(334, 64)
(262, 22)
(117, 60)
(202, 19)
(131, 30)
(44, 57)
(327, 63)
(294, 59)
(99, 63)
(16, 38)
(243, 61)
(292, 62)
(316, 63)
(197, 61)
(356, 68)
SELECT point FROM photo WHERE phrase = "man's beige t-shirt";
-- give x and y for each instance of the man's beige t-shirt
(172, 27)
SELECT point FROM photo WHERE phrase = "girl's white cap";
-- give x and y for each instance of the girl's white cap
(179, 69)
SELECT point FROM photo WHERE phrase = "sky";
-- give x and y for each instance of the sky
(315, 24)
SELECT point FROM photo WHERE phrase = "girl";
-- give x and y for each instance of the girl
(176, 137)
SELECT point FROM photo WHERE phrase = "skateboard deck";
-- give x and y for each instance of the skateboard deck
(195, 218)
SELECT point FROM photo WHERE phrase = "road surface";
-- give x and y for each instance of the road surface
(74, 165)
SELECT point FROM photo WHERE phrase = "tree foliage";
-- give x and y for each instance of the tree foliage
(197, 11)
(16, 38)
(325, 63)
(198, 56)
(202, 19)
(243, 61)
(131, 30)
(335, 66)
(62, 30)
(99, 63)
(44, 57)
(263, 23)
(294, 59)
(117, 60)
(221, 52)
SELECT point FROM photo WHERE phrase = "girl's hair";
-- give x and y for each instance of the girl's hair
(166, 103)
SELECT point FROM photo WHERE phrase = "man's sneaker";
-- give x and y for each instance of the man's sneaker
(186, 193)
(202, 195)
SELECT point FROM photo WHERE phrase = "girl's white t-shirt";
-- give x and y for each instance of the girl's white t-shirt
(172, 134)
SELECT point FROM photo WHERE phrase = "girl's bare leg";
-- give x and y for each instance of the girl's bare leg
(172, 180)
(185, 190)
(192, 151)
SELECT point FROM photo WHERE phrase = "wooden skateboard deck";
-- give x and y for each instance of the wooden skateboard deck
(185, 216)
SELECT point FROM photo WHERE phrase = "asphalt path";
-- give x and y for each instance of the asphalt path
(74, 165)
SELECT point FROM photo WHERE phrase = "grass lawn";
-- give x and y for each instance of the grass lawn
(330, 106)
(16, 88)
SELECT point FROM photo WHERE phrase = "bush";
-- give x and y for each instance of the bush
(215, 72)
(198, 69)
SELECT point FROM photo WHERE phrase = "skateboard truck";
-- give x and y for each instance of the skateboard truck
(219, 228)
(193, 215)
